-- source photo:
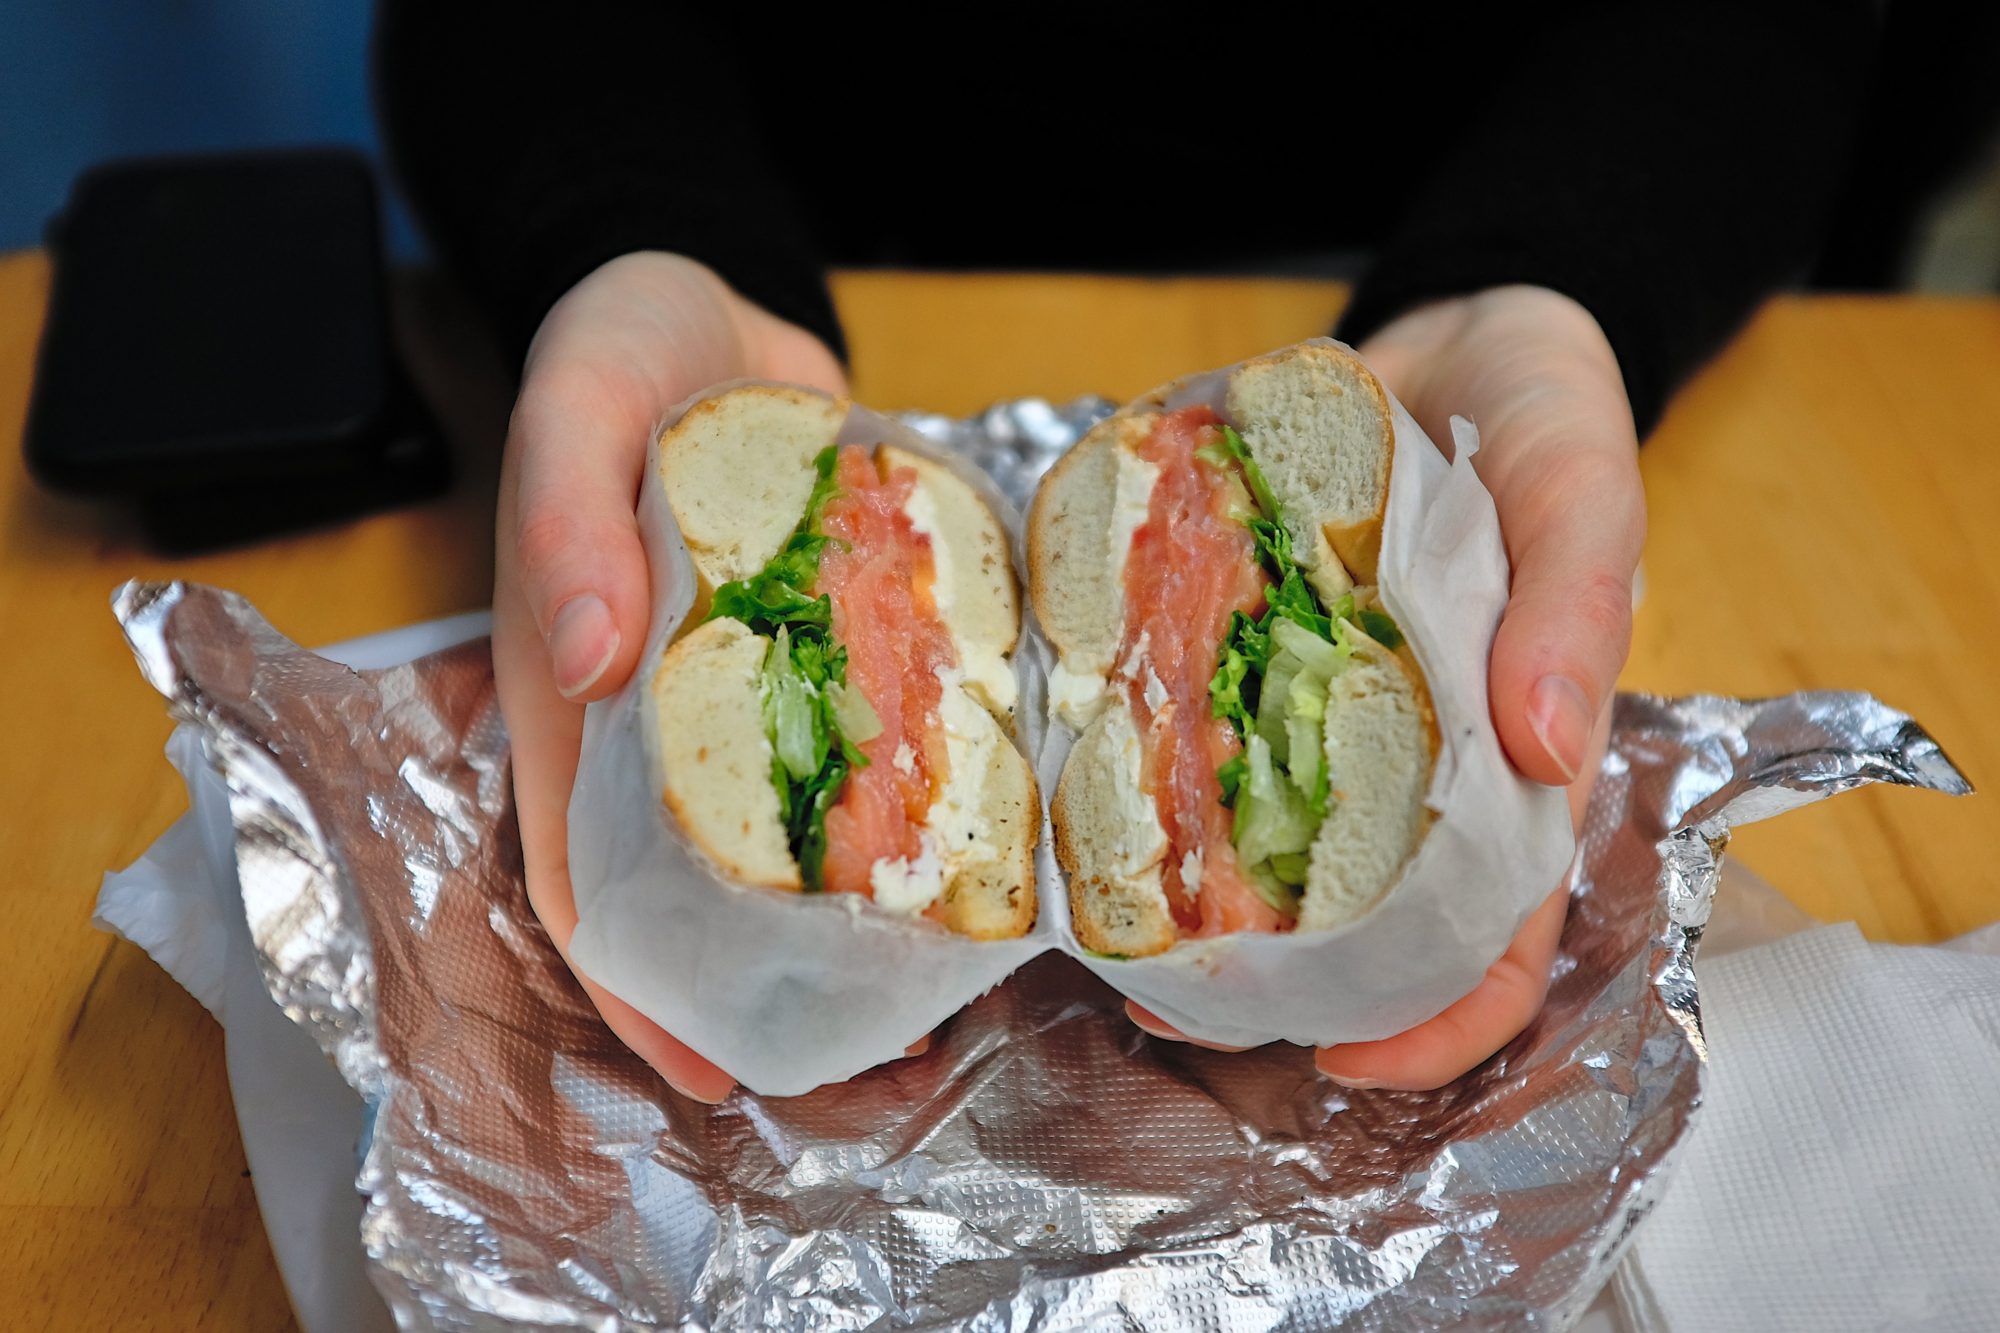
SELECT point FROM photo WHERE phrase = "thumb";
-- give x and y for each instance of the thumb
(1568, 622)
(575, 543)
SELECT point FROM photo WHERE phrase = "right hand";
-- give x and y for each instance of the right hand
(1536, 373)
(571, 593)
(1557, 449)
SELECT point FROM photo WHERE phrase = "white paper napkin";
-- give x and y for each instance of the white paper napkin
(1845, 1173)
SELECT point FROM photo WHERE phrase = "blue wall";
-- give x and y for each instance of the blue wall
(86, 80)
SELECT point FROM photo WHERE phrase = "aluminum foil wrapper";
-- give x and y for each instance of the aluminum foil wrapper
(1044, 1165)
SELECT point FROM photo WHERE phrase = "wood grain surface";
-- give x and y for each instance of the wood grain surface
(1825, 513)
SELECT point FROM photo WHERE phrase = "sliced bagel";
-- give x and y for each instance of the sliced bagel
(1079, 532)
(986, 822)
(737, 472)
(1319, 427)
(1381, 739)
(1109, 842)
(711, 759)
(1318, 423)
(974, 586)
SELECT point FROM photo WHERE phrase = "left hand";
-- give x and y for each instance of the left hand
(571, 591)
(1559, 452)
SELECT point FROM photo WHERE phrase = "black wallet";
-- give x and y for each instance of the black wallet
(218, 348)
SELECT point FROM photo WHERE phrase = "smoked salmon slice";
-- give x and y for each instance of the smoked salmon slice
(878, 573)
(1193, 563)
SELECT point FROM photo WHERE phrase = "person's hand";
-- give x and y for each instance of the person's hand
(1533, 371)
(572, 595)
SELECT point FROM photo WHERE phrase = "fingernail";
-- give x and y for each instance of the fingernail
(1153, 1027)
(582, 642)
(1560, 718)
(918, 1047)
(1358, 1084)
(709, 1096)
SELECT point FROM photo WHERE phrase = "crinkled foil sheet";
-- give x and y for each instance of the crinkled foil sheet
(1044, 1165)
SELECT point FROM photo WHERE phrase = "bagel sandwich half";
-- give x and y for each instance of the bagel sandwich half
(834, 714)
(1255, 738)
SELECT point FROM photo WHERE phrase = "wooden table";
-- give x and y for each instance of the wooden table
(1824, 504)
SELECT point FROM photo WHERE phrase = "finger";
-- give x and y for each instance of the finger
(572, 596)
(685, 1072)
(544, 732)
(580, 447)
(1575, 519)
(1434, 1053)
(1153, 1025)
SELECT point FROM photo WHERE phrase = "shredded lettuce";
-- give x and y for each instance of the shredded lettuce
(779, 594)
(1319, 654)
(1232, 775)
(1232, 690)
(1307, 769)
(792, 714)
(810, 756)
(1271, 682)
(1378, 626)
(1291, 867)
(1272, 821)
(858, 722)
(1271, 814)
(813, 720)
(1231, 448)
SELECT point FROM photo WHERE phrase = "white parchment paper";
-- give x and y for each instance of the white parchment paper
(1499, 846)
(784, 991)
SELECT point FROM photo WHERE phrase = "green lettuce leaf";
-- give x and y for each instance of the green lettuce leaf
(1232, 775)
(780, 594)
(824, 487)
(1381, 627)
(1274, 693)
(1274, 545)
(1283, 898)
(1225, 690)
(1232, 690)
(1231, 448)
(802, 689)
(811, 718)
(1270, 682)
(1291, 867)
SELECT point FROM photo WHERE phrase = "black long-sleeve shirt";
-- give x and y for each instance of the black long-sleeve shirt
(1665, 165)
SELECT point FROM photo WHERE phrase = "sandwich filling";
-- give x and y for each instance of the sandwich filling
(1192, 568)
(854, 686)
(1225, 663)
